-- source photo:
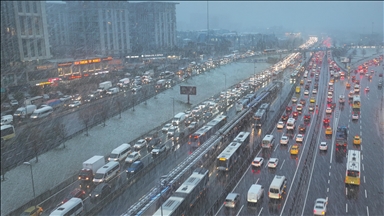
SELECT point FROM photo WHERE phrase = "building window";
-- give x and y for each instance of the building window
(25, 48)
(39, 48)
(27, 7)
(34, 5)
(22, 25)
(33, 48)
(19, 6)
(36, 20)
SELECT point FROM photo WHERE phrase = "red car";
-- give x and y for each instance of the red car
(307, 117)
(329, 100)
(288, 109)
(77, 193)
(326, 121)
(295, 114)
(284, 117)
(381, 75)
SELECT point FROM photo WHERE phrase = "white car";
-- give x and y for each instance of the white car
(134, 156)
(257, 161)
(140, 144)
(320, 207)
(75, 104)
(280, 125)
(328, 110)
(166, 127)
(314, 91)
(294, 99)
(355, 116)
(323, 146)
(14, 103)
(299, 107)
(299, 138)
(306, 92)
(272, 163)
(330, 83)
(65, 98)
(284, 140)
(136, 88)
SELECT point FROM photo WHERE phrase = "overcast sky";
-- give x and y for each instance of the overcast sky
(247, 16)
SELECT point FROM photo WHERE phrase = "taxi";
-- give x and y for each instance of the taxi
(328, 130)
(294, 149)
(312, 100)
(357, 140)
(348, 85)
(301, 82)
(33, 211)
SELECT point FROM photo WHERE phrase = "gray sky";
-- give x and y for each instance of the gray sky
(248, 16)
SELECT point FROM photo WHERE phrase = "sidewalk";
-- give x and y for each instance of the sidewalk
(59, 164)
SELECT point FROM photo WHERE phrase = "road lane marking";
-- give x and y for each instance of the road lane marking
(367, 211)
(276, 147)
(282, 164)
(346, 207)
(365, 193)
(260, 211)
(329, 174)
(240, 210)
(327, 190)
(364, 179)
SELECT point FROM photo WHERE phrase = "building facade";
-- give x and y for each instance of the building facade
(153, 26)
(24, 39)
(99, 28)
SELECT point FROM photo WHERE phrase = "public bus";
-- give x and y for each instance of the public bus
(7, 132)
(229, 156)
(356, 102)
(204, 133)
(238, 106)
(260, 116)
(352, 175)
(266, 51)
(35, 100)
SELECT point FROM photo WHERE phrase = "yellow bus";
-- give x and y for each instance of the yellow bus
(352, 175)
(7, 132)
(356, 102)
(298, 89)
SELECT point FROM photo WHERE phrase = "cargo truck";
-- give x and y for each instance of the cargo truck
(90, 167)
(25, 111)
(341, 136)
(104, 86)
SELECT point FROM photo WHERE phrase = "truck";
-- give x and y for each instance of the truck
(160, 84)
(341, 136)
(104, 86)
(112, 91)
(24, 111)
(54, 103)
(123, 83)
(90, 167)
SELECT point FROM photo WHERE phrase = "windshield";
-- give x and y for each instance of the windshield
(274, 190)
(99, 176)
(113, 156)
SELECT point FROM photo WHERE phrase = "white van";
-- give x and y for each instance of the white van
(277, 187)
(120, 153)
(291, 124)
(7, 119)
(180, 117)
(74, 206)
(113, 90)
(268, 141)
(42, 112)
(107, 172)
(255, 193)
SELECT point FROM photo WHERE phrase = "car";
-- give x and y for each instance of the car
(257, 161)
(381, 75)
(326, 121)
(100, 192)
(273, 162)
(66, 98)
(294, 99)
(320, 207)
(140, 144)
(232, 200)
(288, 109)
(302, 102)
(330, 89)
(295, 114)
(284, 117)
(316, 86)
(166, 127)
(329, 95)
(294, 149)
(307, 117)
(366, 89)
(75, 97)
(280, 125)
(299, 138)
(348, 85)
(309, 81)
(192, 126)
(330, 83)
(314, 91)
(329, 100)
(357, 140)
(302, 128)
(323, 146)
(312, 100)
(135, 167)
(306, 92)
(136, 88)
(306, 87)
(172, 131)
(311, 107)
(33, 211)
(132, 157)
(333, 106)
(76, 193)
(328, 130)
(328, 110)
(355, 116)
(154, 142)
(158, 149)
(75, 103)
(299, 107)
(284, 140)
(14, 103)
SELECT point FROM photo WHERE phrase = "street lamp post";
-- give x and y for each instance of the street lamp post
(254, 74)
(173, 106)
(33, 184)
(225, 89)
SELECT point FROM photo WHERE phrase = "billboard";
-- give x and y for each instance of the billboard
(188, 90)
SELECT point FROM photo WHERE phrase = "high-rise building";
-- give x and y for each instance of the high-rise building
(99, 28)
(153, 26)
(24, 38)
(57, 13)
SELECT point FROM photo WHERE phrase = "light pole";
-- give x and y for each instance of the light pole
(173, 106)
(33, 184)
(254, 76)
(225, 89)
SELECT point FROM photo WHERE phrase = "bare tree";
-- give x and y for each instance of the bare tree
(85, 116)
(61, 132)
(35, 139)
(3, 163)
(363, 52)
(118, 104)
(104, 112)
(354, 52)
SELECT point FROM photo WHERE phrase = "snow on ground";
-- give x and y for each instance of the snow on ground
(59, 164)
(359, 56)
